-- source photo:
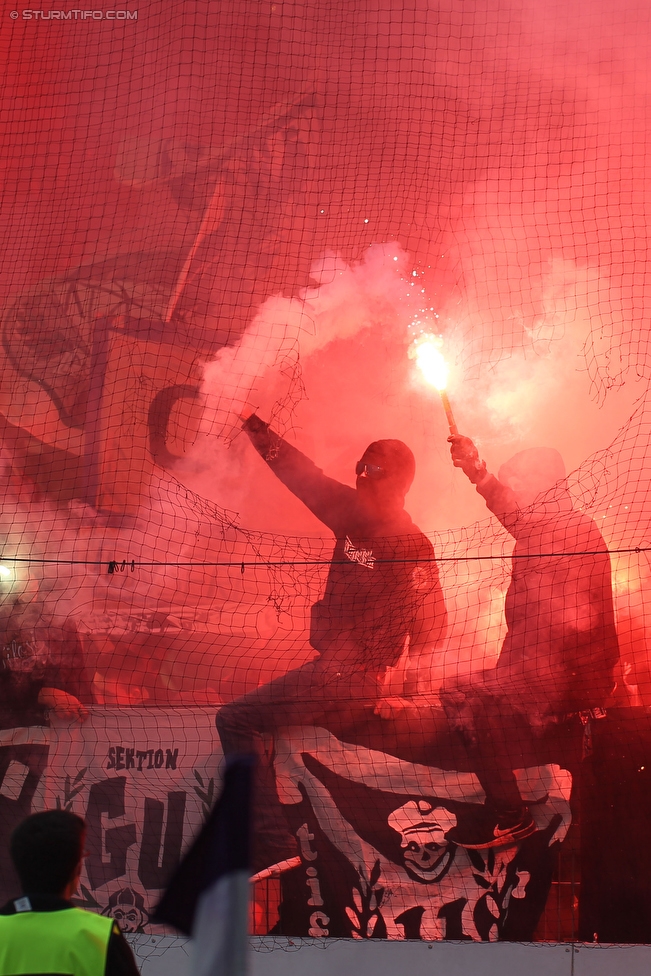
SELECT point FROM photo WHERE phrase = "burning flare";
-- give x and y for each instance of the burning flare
(430, 360)
(426, 350)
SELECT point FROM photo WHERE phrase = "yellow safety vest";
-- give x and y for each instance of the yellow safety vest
(69, 942)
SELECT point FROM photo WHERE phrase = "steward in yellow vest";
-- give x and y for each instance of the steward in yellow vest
(41, 932)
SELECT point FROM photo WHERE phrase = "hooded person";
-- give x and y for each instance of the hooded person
(560, 648)
(381, 593)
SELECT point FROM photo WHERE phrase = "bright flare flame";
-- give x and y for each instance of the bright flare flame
(430, 361)
(5, 573)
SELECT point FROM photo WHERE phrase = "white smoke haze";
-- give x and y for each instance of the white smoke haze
(537, 194)
(344, 300)
(203, 624)
(530, 366)
(264, 370)
(349, 333)
(533, 364)
(557, 380)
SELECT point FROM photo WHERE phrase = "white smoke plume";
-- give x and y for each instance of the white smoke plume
(343, 300)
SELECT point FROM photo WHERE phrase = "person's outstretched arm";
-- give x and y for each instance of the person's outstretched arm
(329, 500)
(500, 499)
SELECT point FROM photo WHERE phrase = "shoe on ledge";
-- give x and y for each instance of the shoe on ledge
(502, 830)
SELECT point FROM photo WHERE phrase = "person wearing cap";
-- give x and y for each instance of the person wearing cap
(382, 592)
(560, 648)
(41, 931)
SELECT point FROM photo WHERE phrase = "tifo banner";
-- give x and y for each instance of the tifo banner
(142, 779)
(375, 861)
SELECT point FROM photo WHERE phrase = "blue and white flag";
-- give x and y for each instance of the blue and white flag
(208, 896)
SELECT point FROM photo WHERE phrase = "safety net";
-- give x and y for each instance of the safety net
(266, 263)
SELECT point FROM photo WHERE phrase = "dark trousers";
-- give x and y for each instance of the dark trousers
(508, 721)
(502, 743)
(326, 693)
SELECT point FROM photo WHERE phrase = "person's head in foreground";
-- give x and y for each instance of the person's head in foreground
(47, 851)
(531, 472)
(385, 473)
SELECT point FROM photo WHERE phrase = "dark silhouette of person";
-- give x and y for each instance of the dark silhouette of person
(42, 931)
(41, 669)
(560, 648)
(382, 590)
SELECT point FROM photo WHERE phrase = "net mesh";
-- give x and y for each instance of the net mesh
(218, 211)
